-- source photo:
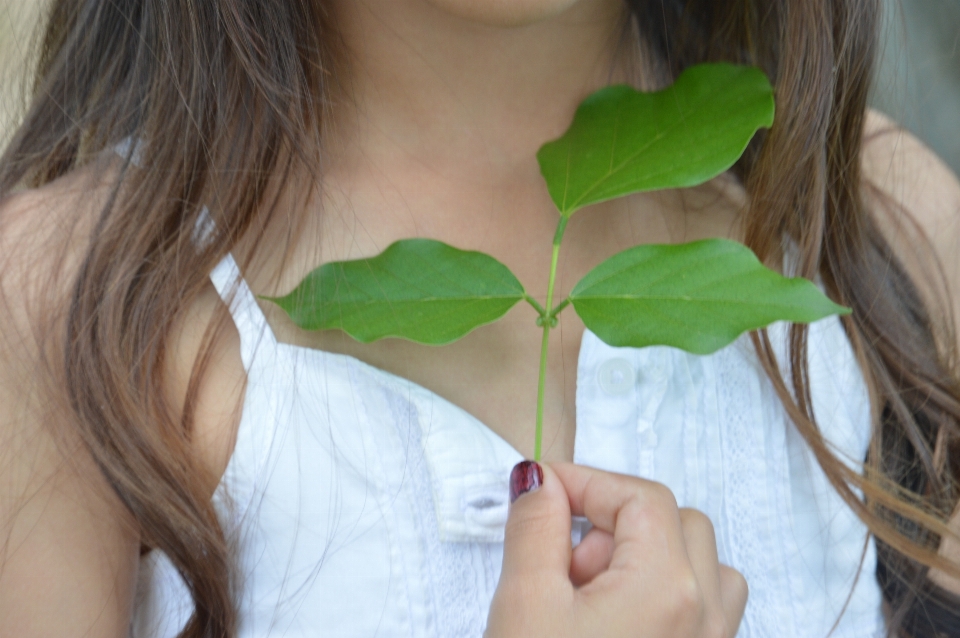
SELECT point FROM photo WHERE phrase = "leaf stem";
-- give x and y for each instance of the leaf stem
(541, 386)
(558, 236)
(559, 307)
(538, 437)
(536, 306)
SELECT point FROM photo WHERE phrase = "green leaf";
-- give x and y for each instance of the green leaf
(623, 141)
(417, 289)
(698, 296)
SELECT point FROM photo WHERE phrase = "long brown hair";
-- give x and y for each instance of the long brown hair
(223, 93)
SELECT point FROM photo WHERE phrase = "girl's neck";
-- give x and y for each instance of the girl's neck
(467, 99)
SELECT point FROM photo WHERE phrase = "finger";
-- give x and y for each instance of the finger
(537, 535)
(649, 578)
(701, 543)
(641, 515)
(591, 557)
(733, 597)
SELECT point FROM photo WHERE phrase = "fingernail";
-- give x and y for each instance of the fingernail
(527, 476)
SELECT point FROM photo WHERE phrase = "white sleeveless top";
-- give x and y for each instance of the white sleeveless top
(361, 504)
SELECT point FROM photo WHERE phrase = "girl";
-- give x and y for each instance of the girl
(178, 458)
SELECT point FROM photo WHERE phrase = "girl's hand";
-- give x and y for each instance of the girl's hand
(646, 570)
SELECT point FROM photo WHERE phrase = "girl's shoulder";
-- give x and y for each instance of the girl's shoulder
(44, 235)
(908, 170)
(915, 197)
(64, 535)
(916, 200)
(56, 216)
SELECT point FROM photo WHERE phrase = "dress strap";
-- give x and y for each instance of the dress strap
(251, 323)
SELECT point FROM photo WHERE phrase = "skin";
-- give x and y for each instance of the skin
(443, 104)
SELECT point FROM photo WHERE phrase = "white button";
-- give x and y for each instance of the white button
(616, 376)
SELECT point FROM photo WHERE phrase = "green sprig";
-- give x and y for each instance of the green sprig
(698, 296)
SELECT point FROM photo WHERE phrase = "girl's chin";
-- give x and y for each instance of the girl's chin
(505, 13)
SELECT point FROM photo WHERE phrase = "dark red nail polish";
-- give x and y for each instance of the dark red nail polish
(527, 476)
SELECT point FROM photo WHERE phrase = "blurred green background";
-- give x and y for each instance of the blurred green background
(918, 82)
(17, 21)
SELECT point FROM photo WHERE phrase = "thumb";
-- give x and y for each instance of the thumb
(537, 536)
